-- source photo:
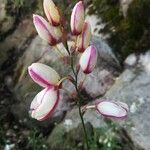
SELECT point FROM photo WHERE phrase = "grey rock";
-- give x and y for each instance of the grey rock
(6, 20)
(133, 87)
(16, 42)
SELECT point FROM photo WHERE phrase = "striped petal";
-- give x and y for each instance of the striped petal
(88, 59)
(84, 38)
(51, 12)
(113, 110)
(44, 104)
(43, 75)
(47, 32)
(77, 18)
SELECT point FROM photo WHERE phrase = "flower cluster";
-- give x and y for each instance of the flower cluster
(45, 102)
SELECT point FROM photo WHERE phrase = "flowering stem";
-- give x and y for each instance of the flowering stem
(79, 102)
(83, 124)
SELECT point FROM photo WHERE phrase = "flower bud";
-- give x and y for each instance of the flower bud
(47, 32)
(113, 110)
(88, 59)
(43, 75)
(77, 18)
(84, 38)
(44, 104)
(51, 12)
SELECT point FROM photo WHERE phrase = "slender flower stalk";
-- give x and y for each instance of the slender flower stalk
(80, 99)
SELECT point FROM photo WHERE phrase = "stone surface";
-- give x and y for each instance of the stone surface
(6, 20)
(133, 87)
(13, 46)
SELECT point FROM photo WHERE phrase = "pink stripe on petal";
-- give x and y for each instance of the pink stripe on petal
(77, 18)
(35, 103)
(51, 12)
(38, 22)
(43, 75)
(54, 23)
(38, 79)
(91, 59)
(81, 47)
(84, 38)
(50, 113)
(45, 28)
(44, 104)
(87, 69)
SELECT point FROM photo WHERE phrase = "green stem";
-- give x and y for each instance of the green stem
(78, 92)
(79, 103)
(83, 124)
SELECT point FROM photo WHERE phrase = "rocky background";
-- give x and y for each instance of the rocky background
(121, 32)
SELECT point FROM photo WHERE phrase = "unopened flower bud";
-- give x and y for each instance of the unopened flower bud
(88, 59)
(112, 110)
(84, 38)
(77, 18)
(46, 31)
(44, 104)
(43, 75)
(51, 12)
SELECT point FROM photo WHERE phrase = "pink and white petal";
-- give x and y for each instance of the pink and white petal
(48, 99)
(43, 75)
(88, 59)
(93, 59)
(46, 31)
(42, 27)
(84, 39)
(84, 59)
(51, 12)
(77, 18)
(111, 110)
(37, 100)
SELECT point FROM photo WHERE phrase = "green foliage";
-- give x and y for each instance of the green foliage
(127, 34)
(18, 3)
(106, 138)
(103, 138)
(35, 141)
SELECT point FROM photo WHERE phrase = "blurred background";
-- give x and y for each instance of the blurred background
(121, 33)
